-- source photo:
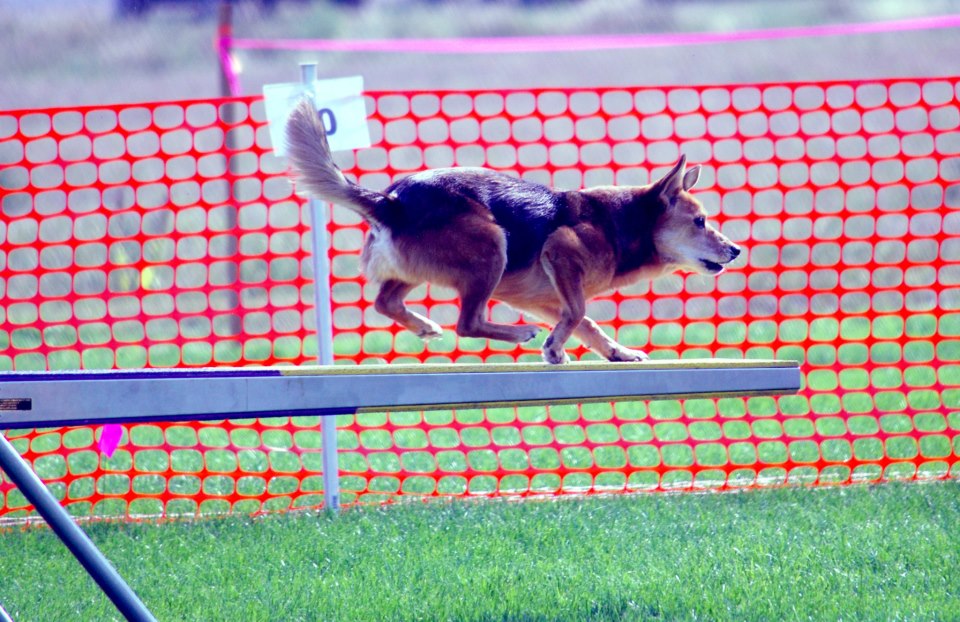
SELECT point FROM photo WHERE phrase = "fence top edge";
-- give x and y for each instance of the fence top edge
(251, 99)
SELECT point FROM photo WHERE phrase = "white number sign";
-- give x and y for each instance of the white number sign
(339, 103)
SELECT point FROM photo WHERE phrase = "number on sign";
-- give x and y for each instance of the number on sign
(329, 121)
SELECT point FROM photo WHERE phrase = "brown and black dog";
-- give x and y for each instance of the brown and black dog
(491, 235)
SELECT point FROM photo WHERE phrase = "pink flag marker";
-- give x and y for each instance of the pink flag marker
(110, 436)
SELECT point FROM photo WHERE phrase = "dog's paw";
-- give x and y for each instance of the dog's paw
(555, 357)
(524, 332)
(554, 354)
(430, 330)
(622, 355)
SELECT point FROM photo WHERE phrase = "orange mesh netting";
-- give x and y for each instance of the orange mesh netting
(168, 235)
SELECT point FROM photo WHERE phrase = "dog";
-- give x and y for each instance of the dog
(487, 234)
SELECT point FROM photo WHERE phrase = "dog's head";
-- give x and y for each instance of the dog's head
(682, 235)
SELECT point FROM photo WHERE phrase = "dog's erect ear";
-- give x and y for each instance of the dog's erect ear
(673, 182)
(691, 176)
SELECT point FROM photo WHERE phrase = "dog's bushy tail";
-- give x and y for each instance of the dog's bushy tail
(315, 170)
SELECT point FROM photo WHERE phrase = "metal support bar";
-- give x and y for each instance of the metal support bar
(47, 399)
(324, 317)
(106, 576)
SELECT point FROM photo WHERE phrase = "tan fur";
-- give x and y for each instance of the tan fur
(578, 260)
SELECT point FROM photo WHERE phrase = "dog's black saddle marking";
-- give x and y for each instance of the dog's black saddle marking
(527, 211)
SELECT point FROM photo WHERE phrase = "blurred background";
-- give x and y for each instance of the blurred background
(75, 52)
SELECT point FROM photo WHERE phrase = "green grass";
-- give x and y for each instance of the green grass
(886, 552)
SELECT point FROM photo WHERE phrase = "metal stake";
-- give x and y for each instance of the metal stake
(324, 317)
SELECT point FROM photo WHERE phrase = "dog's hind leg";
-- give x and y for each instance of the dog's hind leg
(390, 303)
(474, 296)
(469, 255)
(475, 283)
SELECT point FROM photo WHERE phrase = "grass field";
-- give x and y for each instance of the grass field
(885, 552)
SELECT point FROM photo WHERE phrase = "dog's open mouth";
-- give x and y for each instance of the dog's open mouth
(712, 266)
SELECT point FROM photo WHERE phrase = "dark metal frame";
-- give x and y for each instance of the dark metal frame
(86, 552)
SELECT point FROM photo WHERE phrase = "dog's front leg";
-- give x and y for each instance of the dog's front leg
(562, 261)
(594, 338)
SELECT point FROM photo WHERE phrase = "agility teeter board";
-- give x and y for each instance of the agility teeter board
(43, 399)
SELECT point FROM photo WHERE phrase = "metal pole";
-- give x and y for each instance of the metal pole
(321, 296)
(86, 552)
(224, 37)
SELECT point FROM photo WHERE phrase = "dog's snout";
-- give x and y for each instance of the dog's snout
(734, 251)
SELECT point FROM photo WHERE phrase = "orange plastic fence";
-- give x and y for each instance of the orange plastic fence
(166, 234)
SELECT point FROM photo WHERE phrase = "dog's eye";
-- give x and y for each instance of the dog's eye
(700, 222)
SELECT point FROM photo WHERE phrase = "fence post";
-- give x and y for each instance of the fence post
(324, 317)
(229, 81)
